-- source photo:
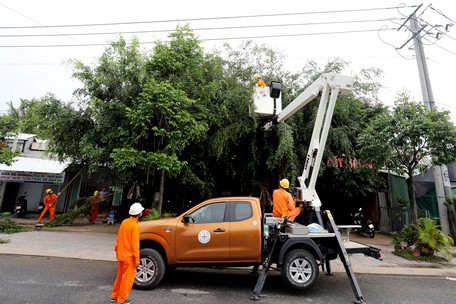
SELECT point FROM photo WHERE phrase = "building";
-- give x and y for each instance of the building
(31, 173)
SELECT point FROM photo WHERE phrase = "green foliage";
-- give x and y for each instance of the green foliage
(402, 201)
(6, 155)
(450, 202)
(397, 240)
(405, 138)
(426, 236)
(156, 215)
(78, 207)
(407, 254)
(180, 111)
(9, 226)
(400, 140)
(409, 234)
(430, 238)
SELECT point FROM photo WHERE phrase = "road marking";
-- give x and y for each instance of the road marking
(451, 279)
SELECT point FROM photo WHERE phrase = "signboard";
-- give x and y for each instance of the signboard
(24, 177)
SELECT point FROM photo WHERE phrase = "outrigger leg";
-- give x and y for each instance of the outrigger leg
(267, 261)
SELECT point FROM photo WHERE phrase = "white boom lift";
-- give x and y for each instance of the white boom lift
(330, 85)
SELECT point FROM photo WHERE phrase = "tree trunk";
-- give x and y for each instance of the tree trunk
(162, 190)
(412, 196)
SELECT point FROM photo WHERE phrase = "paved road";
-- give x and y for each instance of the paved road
(96, 242)
(41, 280)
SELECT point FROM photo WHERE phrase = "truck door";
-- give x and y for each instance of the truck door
(206, 238)
(245, 233)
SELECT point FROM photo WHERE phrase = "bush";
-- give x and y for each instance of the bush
(409, 234)
(155, 215)
(430, 239)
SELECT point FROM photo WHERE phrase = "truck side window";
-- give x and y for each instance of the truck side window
(212, 213)
(242, 211)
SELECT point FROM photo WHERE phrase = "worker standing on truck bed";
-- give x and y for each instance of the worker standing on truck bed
(284, 205)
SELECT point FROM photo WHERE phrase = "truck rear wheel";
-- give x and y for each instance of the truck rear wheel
(300, 269)
(151, 269)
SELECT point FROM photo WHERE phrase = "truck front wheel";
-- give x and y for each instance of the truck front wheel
(151, 269)
(300, 269)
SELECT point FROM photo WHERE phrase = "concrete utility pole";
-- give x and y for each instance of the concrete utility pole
(441, 178)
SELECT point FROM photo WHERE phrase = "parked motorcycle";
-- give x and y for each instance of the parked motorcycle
(367, 228)
(20, 206)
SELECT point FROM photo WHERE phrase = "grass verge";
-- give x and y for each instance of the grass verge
(406, 254)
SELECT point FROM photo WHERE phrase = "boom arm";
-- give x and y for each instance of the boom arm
(330, 85)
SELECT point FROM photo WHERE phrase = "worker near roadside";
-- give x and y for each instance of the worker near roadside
(95, 201)
(127, 254)
(49, 204)
(260, 82)
(284, 205)
(102, 199)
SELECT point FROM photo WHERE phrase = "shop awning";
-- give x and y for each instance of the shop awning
(27, 169)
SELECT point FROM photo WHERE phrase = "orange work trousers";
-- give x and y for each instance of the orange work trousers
(293, 213)
(126, 272)
(93, 213)
(51, 212)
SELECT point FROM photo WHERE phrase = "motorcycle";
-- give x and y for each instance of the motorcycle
(367, 228)
(20, 206)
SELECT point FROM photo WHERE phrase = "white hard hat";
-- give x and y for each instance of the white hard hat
(136, 209)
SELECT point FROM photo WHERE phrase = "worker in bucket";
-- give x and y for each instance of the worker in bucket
(260, 82)
(284, 205)
(127, 253)
(49, 204)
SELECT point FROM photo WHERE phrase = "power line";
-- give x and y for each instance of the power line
(200, 29)
(195, 19)
(207, 39)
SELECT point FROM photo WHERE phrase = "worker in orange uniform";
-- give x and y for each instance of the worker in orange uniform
(260, 82)
(127, 253)
(95, 201)
(49, 204)
(284, 205)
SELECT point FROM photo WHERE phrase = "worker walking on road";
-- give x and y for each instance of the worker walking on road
(95, 201)
(284, 205)
(127, 253)
(49, 204)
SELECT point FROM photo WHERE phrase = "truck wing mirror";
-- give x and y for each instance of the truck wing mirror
(188, 219)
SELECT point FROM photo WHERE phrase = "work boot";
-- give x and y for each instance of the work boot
(113, 301)
(127, 302)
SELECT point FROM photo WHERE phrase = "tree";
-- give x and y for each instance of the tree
(409, 139)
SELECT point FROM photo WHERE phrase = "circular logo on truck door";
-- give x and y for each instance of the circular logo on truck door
(204, 236)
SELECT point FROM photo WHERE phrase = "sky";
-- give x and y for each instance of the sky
(37, 38)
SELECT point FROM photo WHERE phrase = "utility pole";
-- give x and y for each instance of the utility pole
(441, 178)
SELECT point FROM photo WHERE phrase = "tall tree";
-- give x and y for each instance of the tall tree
(409, 139)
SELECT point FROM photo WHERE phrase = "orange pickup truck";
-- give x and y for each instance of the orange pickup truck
(233, 231)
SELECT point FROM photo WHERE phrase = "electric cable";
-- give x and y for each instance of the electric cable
(194, 19)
